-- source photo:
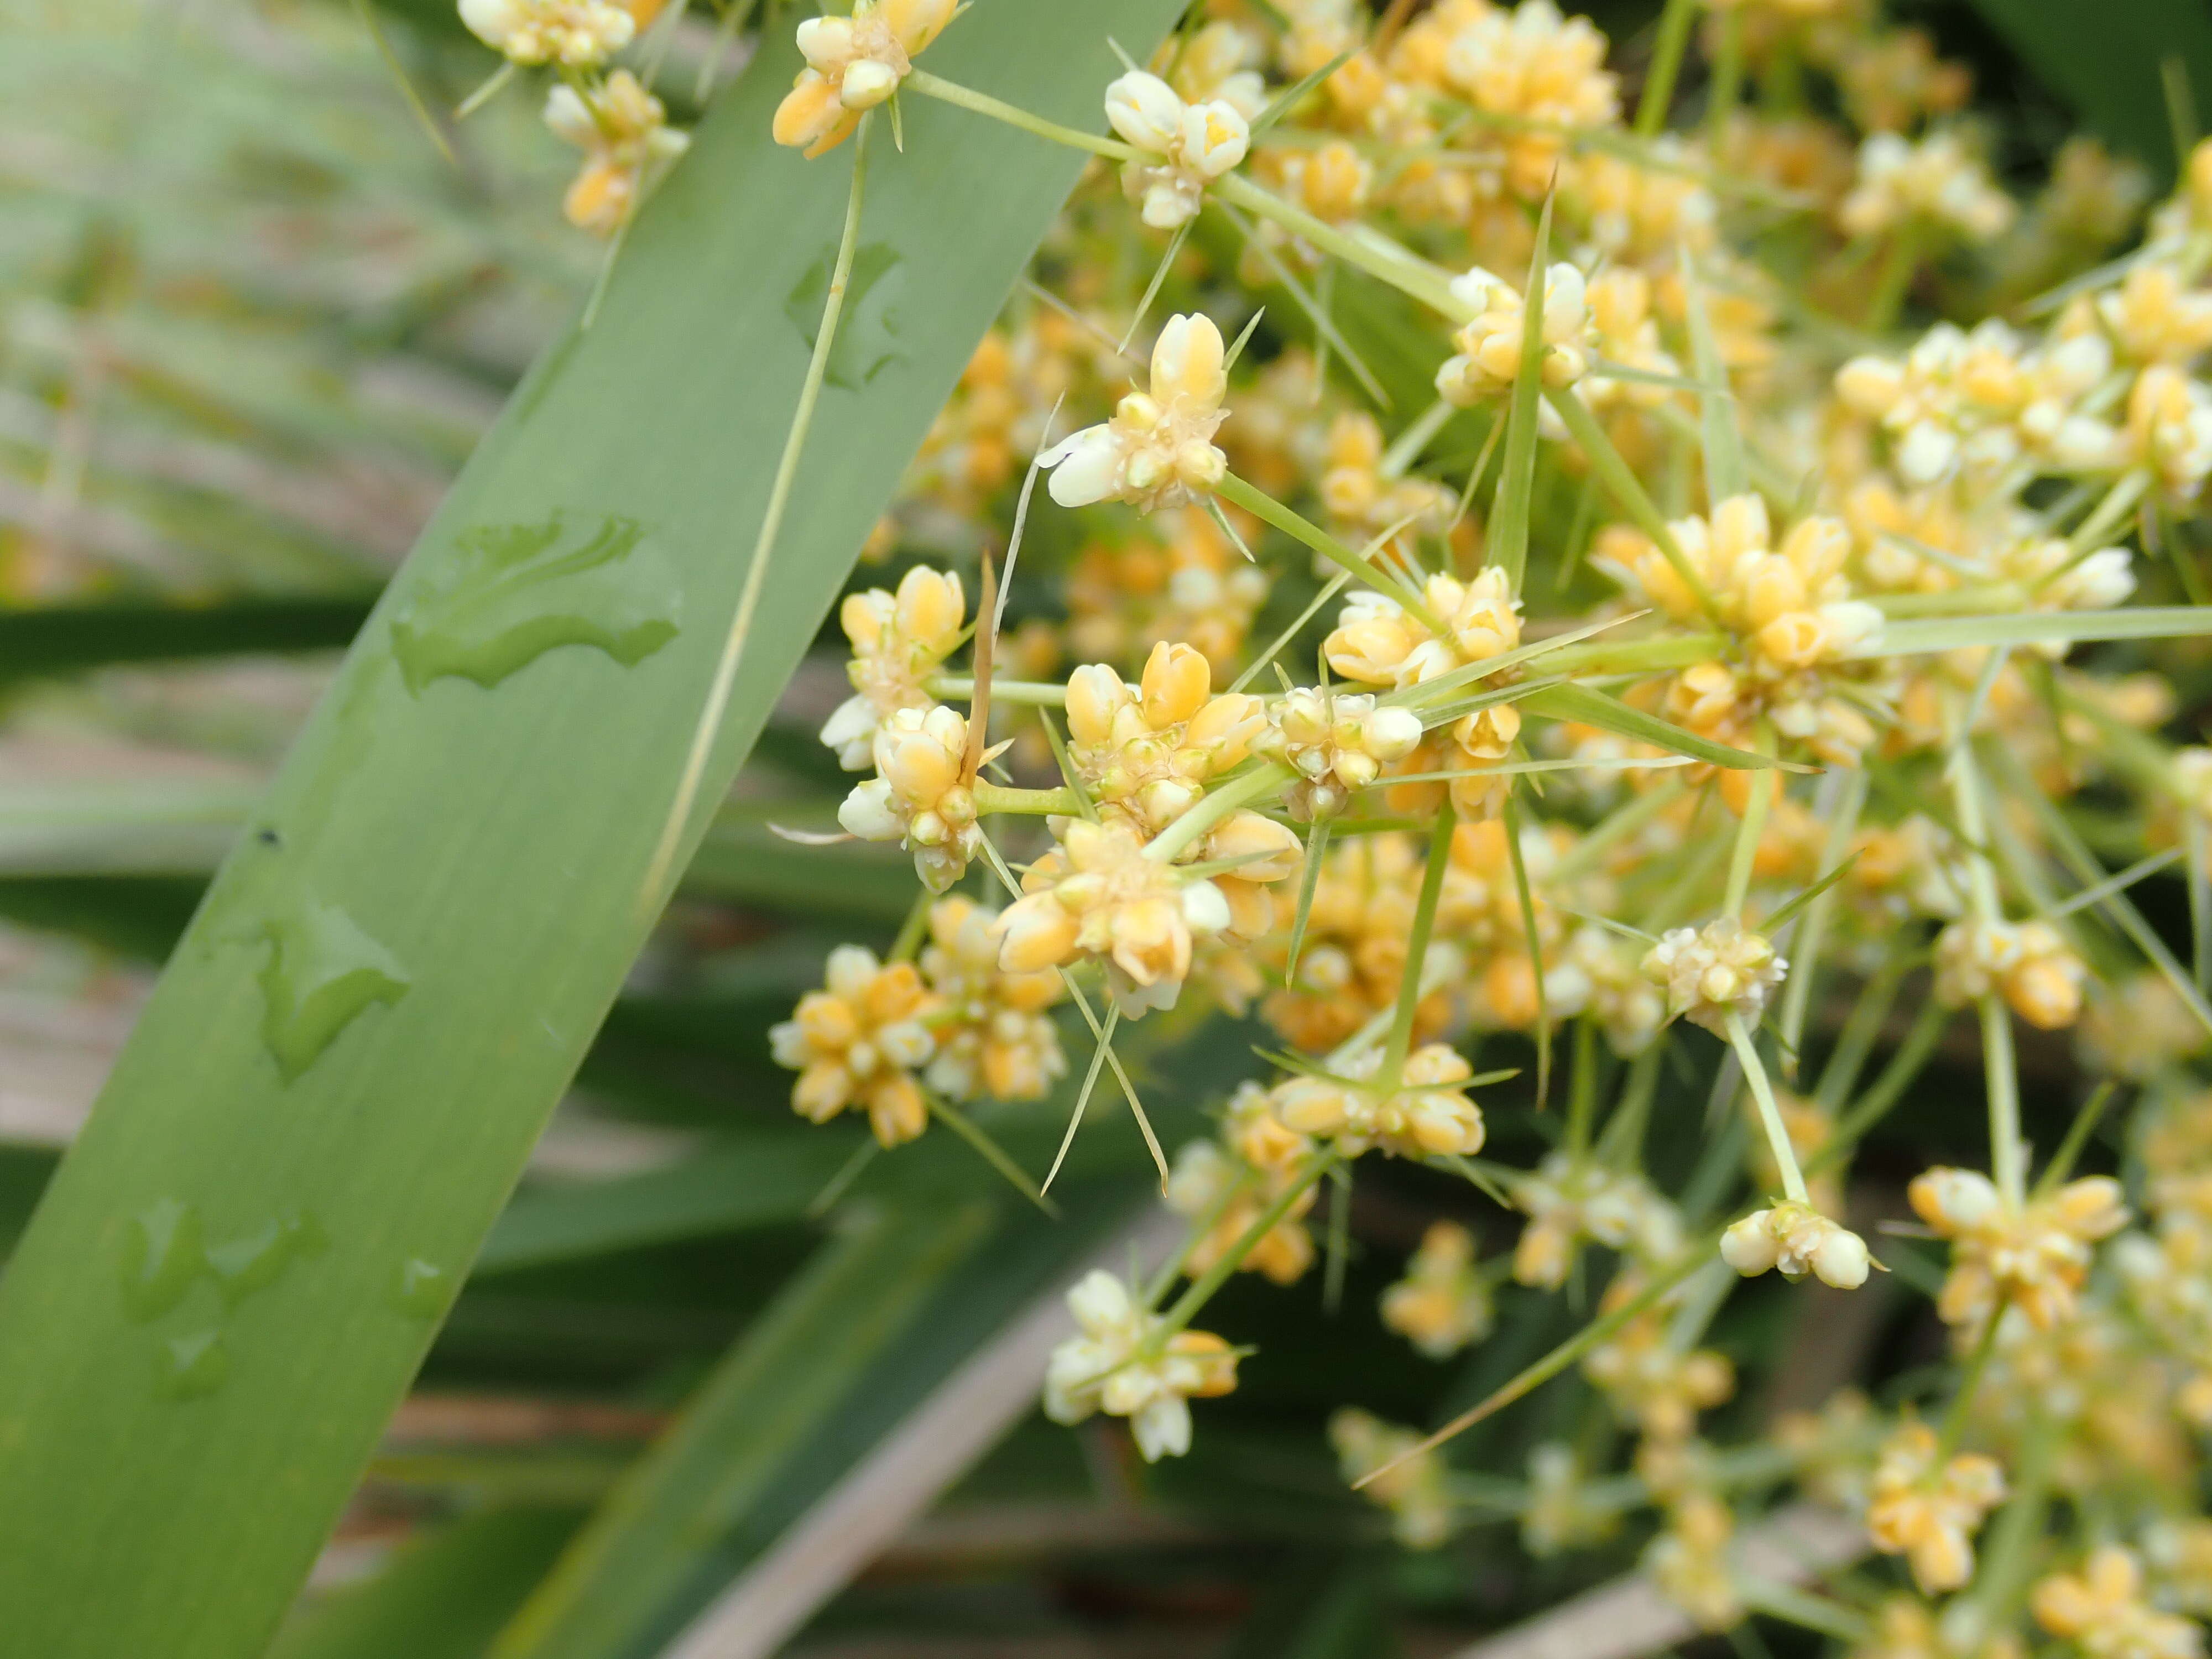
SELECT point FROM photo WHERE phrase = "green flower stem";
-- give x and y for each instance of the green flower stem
(1201, 1225)
(981, 103)
(1621, 1145)
(1601, 1329)
(1035, 803)
(1911, 1057)
(1330, 589)
(907, 945)
(1694, 868)
(367, 13)
(1037, 694)
(2017, 1536)
(1505, 536)
(1399, 268)
(1967, 807)
(1379, 1023)
(1900, 261)
(1624, 823)
(1202, 1288)
(2008, 1156)
(1403, 270)
(1400, 1039)
(2106, 516)
(489, 90)
(1526, 895)
(1820, 1613)
(1980, 599)
(660, 875)
(1962, 1402)
(1241, 791)
(1726, 87)
(1621, 482)
(1581, 1095)
(1864, 1024)
(1749, 830)
(989, 1151)
(1666, 67)
(1769, 1116)
(1812, 932)
(2077, 1136)
(1239, 493)
(1406, 448)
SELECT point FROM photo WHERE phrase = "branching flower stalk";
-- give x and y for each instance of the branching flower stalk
(1751, 692)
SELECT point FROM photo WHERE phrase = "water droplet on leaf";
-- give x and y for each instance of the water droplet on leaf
(868, 328)
(194, 1365)
(259, 1260)
(323, 971)
(506, 594)
(420, 1288)
(161, 1257)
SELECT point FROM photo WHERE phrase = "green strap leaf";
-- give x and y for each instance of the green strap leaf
(636, 1568)
(65, 638)
(1517, 472)
(2104, 61)
(446, 1596)
(807, 1401)
(167, 1477)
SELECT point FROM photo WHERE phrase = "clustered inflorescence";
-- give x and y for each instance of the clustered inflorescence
(1687, 641)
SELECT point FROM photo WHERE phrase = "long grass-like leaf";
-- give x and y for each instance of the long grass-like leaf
(1926, 634)
(634, 1570)
(1726, 472)
(2106, 62)
(1589, 707)
(395, 976)
(1508, 539)
(63, 639)
(445, 1597)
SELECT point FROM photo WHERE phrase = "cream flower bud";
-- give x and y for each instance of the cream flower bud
(854, 1043)
(1185, 147)
(853, 64)
(1797, 1239)
(1487, 359)
(1443, 1303)
(866, 84)
(898, 641)
(920, 797)
(1158, 451)
(579, 33)
(2099, 582)
(1144, 110)
(1929, 1511)
(1713, 972)
(1391, 734)
(1123, 1362)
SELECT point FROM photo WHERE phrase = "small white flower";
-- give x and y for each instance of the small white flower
(1191, 145)
(1797, 1239)
(1124, 1363)
(1715, 971)
(579, 33)
(853, 65)
(1158, 451)
(920, 798)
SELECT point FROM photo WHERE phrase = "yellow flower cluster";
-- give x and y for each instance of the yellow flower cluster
(612, 117)
(1928, 1509)
(1443, 1303)
(1796, 674)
